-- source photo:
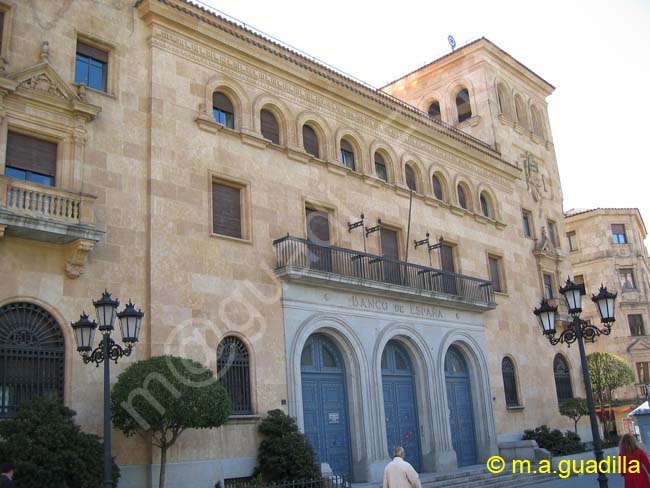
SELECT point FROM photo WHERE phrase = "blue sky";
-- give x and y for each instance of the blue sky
(596, 54)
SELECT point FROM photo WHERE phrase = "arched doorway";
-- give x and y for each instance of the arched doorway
(400, 403)
(32, 354)
(459, 400)
(324, 403)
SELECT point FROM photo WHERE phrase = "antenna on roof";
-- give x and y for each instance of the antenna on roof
(452, 42)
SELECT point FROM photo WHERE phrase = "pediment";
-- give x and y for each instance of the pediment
(43, 78)
(44, 83)
(640, 345)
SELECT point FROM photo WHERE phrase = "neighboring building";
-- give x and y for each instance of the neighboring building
(607, 247)
(209, 173)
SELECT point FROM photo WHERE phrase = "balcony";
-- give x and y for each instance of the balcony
(48, 214)
(306, 261)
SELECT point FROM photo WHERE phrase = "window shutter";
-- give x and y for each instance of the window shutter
(346, 146)
(92, 52)
(447, 258)
(495, 276)
(226, 210)
(310, 141)
(31, 154)
(269, 126)
(222, 102)
(389, 247)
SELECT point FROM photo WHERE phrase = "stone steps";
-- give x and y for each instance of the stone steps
(473, 477)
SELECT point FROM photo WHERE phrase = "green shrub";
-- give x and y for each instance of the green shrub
(50, 450)
(284, 454)
(558, 443)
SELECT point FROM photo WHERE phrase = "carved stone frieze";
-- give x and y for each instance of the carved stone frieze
(42, 83)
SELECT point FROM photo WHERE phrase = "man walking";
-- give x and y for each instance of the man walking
(7, 476)
(399, 473)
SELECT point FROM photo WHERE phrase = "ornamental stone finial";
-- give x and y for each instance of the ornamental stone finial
(45, 52)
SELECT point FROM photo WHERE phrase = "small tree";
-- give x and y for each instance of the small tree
(49, 449)
(575, 409)
(608, 372)
(284, 454)
(163, 396)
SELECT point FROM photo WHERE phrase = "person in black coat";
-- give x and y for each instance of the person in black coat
(7, 475)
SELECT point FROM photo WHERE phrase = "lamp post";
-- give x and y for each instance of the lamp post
(580, 330)
(107, 350)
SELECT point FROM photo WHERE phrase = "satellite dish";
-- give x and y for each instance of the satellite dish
(452, 42)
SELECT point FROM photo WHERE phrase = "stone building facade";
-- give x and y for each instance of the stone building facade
(606, 245)
(177, 158)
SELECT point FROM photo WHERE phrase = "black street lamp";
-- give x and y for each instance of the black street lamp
(581, 331)
(107, 351)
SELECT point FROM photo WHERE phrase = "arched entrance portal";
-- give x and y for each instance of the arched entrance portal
(32, 356)
(461, 414)
(400, 403)
(324, 403)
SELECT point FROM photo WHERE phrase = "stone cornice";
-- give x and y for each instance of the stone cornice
(246, 55)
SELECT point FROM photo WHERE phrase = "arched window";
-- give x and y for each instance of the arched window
(233, 371)
(437, 187)
(411, 180)
(509, 382)
(269, 126)
(562, 379)
(380, 167)
(486, 208)
(462, 197)
(520, 107)
(347, 155)
(223, 110)
(463, 106)
(310, 141)
(538, 125)
(502, 96)
(434, 110)
(32, 353)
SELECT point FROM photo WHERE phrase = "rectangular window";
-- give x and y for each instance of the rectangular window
(227, 209)
(548, 286)
(30, 159)
(496, 273)
(552, 233)
(318, 234)
(643, 372)
(527, 220)
(626, 276)
(635, 322)
(579, 280)
(573, 241)
(447, 263)
(618, 234)
(91, 66)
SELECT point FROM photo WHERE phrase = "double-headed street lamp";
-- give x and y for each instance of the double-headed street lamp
(581, 331)
(107, 351)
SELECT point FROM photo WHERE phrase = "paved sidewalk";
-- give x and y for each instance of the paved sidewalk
(583, 481)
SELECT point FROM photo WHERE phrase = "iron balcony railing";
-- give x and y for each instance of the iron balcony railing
(293, 252)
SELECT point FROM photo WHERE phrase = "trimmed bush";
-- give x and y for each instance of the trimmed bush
(50, 450)
(558, 443)
(285, 453)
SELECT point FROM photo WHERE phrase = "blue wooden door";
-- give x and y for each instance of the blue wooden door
(325, 408)
(461, 414)
(400, 403)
